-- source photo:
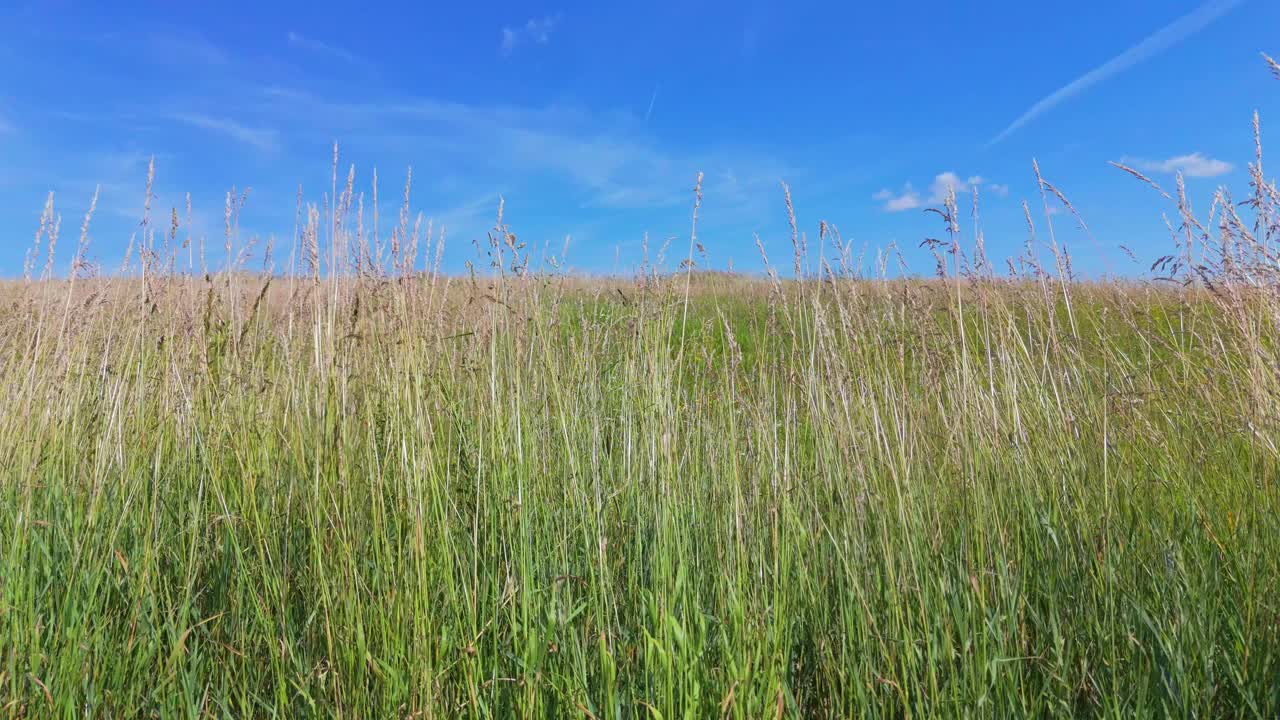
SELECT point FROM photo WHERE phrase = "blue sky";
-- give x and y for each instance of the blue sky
(592, 119)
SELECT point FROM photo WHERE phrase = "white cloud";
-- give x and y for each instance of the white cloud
(1159, 41)
(534, 30)
(262, 139)
(1193, 165)
(948, 180)
(302, 42)
(908, 199)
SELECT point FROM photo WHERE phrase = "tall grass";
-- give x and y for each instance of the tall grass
(357, 489)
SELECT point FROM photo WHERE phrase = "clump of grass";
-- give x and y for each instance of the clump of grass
(365, 490)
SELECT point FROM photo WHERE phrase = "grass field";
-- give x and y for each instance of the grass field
(383, 492)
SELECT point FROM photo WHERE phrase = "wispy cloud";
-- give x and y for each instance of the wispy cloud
(587, 160)
(260, 138)
(302, 42)
(472, 213)
(754, 23)
(909, 198)
(1159, 41)
(534, 30)
(178, 43)
(1192, 165)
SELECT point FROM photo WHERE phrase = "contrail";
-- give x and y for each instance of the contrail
(1164, 38)
(652, 100)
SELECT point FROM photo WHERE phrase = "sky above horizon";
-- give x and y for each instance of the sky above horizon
(592, 120)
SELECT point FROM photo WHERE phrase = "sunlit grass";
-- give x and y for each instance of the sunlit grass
(823, 503)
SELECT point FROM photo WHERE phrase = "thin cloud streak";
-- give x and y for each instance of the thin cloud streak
(184, 45)
(302, 42)
(267, 140)
(1159, 41)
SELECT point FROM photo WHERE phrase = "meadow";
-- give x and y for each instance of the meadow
(351, 485)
